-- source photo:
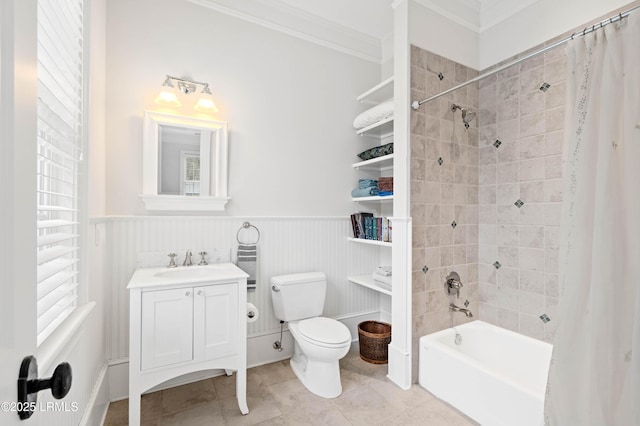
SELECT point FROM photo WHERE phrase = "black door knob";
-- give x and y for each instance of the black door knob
(29, 385)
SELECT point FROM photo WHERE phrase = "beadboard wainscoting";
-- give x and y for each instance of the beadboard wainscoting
(287, 245)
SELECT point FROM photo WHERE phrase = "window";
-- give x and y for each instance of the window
(60, 160)
(190, 173)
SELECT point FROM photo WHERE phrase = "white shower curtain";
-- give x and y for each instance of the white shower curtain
(594, 378)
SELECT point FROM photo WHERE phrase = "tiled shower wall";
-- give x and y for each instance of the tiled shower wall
(444, 194)
(500, 181)
(520, 174)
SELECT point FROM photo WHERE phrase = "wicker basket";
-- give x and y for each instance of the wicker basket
(374, 336)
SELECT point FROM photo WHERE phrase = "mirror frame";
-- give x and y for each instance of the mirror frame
(214, 146)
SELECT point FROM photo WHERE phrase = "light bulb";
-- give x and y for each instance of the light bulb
(206, 104)
(167, 95)
(168, 98)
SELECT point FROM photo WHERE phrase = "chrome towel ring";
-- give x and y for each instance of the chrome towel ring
(247, 225)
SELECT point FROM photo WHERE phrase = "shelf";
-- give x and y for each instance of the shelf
(372, 242)
(381, 128)
(367, 281)
(373, 199)
(379, 93)
(380, 163)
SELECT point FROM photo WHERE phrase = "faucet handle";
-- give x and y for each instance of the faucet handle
(452, 284)
(172, 262)
(203, 261)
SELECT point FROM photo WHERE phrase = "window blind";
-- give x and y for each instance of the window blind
(59, 159)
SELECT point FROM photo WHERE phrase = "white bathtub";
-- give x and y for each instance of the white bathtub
(495, 376)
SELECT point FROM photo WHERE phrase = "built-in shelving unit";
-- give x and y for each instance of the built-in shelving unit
(373, 199)
(367, 281)
(382, 128)
(372, 242)
(378, 164)
(380, 132)
(381, 92)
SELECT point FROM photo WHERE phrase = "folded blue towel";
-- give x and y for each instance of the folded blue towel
(385, 193)
(364, 192)
(367, 183)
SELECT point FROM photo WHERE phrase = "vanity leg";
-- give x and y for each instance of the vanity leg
(241, 390)
(134, 408)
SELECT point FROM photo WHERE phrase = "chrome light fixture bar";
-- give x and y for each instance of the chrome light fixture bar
(168, 95)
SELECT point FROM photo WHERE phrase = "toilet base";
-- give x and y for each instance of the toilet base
(319, 377)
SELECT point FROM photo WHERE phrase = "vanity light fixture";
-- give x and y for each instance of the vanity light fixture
(168, 96)
(205, 103)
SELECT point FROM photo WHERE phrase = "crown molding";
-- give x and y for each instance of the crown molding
(295, 22)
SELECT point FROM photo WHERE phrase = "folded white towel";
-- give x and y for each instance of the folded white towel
(381, 279)
(373, 115)
(383, 270)
(383, 284)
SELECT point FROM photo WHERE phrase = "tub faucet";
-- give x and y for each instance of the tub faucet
(455, 308)
(187, 259)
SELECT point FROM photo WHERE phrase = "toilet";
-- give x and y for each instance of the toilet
(319, 342)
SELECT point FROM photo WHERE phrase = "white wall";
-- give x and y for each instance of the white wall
(290, 105)
(537, 24)
(434, 32)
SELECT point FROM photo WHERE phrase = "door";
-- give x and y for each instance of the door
(215, 321)
(18, 118)
(167, 327)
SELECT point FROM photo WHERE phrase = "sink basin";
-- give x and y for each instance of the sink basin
(185, 275)
(192, 272)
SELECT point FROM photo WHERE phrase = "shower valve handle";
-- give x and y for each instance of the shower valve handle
(452, 285)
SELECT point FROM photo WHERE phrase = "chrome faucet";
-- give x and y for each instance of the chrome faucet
(455, 308)
(453, 284)
(203, 258)
(172, 262)
(187, 259)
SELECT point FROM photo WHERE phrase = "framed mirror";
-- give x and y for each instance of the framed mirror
(185, 163)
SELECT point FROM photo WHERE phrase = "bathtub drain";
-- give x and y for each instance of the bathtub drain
(458, 339)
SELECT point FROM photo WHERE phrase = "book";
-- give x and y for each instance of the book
(358, 224)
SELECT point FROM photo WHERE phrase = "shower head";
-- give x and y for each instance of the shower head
(467, 115)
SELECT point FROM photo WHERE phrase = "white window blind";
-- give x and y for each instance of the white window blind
(191, 174)
(60, 143)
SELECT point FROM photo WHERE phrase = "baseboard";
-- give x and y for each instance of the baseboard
(98, 404)
(399, 367)
(260, 351)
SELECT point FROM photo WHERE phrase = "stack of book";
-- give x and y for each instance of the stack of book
(366, 226)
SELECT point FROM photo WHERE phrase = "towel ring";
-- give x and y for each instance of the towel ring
(247, 225)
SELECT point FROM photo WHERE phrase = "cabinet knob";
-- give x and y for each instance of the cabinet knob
(188, 293)
(200, 293)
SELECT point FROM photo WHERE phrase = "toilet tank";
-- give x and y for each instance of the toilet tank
(298, 296)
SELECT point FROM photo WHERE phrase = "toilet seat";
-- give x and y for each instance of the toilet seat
(325, 332)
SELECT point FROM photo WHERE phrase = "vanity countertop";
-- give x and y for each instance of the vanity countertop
(163, 276)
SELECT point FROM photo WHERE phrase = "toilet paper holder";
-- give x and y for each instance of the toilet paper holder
(252, 313)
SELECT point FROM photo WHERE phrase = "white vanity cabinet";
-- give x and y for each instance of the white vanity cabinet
(184, 320)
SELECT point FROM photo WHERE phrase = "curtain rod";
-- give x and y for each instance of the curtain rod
(415, 104)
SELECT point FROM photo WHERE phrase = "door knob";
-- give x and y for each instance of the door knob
(29, 385)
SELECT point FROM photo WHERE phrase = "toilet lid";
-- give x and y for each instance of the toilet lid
(325, 330)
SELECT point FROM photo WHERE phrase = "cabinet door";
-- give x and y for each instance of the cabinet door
(167, 327)
(215, 321)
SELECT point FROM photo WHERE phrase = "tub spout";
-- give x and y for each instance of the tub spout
(455, 308)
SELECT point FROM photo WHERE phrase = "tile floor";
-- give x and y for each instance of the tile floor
(276, 397)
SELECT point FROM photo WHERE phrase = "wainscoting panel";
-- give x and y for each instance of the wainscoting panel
(287, 245)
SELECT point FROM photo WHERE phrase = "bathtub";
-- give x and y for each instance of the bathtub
(495, 376)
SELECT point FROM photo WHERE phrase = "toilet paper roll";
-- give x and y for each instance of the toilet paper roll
(252, 313)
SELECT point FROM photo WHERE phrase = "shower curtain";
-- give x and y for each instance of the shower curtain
(594, 378)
